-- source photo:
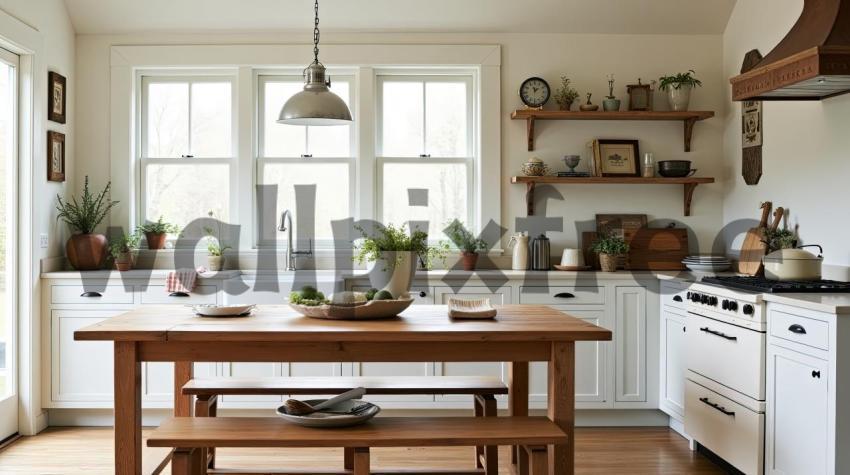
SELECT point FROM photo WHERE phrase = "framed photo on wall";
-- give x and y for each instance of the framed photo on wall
(618, 157)
(55, 156)
(56, 97)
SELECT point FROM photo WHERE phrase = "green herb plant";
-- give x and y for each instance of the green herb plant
(86, 214)
(463, 239)
(124, 244)
(159, 227)
(565, 95)
(390, 238)
(678, 80)
(611, 245)
(779, 239)
(215, 245)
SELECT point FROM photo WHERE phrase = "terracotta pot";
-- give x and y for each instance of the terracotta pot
(124, 262)
(608, 262)
(469, 260)
(86, 251)
(156, 240)
(215, 263)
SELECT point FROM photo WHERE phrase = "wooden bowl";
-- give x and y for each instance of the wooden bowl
(371, 310)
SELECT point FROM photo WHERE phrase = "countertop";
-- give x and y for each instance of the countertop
(828, 303)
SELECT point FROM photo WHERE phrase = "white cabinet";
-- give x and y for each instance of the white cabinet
(630, 377)
(81, 371)
(673, 366)
(798, 413)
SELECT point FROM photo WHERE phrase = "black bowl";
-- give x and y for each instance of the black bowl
(674, 168)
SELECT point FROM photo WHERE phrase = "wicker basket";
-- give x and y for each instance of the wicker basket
(608, 262)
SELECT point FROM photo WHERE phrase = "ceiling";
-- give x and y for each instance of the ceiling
(502, 16)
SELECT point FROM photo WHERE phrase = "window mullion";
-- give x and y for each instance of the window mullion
(424, 118)
(189, 118)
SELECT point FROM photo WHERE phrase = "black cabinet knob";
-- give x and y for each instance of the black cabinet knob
(564, 295)
(798, 329)
(178, 294)
(91, 294)
(423, 294)
(816, 374)
(677, 298)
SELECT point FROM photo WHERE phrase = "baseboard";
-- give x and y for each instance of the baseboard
(679, 427)
(153, 417)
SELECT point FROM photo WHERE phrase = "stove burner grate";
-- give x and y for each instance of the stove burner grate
(760, 284)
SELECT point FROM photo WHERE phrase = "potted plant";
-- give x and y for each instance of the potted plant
(679, 88)
(123, 249)
(86, 250)
(156, 232)
(610, 103)
(391, 253)
(565, 95)
(609, 248)
(215, 246)
(468, 244)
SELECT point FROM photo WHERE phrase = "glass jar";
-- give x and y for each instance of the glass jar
(648, 165)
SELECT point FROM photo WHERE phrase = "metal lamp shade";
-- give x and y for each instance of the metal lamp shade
(316, 104)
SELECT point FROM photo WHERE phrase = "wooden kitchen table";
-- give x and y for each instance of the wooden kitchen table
(518, 335)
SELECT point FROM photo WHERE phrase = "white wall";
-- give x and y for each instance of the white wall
(54, 52)
(587, 59)
(805, 154)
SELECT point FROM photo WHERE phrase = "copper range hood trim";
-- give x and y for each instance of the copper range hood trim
(812, 62)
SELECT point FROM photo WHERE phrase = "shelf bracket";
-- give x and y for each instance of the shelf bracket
(689, 132)
(529, 131)
(689, 194)
(529, 198)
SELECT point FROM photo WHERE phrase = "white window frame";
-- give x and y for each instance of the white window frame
(472, 160)
(261, 77)
(191, 76)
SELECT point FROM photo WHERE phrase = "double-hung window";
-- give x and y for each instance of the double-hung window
(291, 156)
(425, 141)
(186, 148)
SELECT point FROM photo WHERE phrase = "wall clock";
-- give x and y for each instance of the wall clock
(534, 92)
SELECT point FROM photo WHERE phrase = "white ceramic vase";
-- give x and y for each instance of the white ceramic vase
(679, 98)
(393, 272)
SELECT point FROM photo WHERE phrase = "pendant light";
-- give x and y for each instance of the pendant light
(316, 104)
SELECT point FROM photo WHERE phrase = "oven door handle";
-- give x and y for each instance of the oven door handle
(717, 333)
(717, 406)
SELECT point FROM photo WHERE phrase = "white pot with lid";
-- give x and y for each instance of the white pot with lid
(793, 264)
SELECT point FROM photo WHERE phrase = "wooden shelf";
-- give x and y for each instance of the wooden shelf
(689, 183)
(688, 118)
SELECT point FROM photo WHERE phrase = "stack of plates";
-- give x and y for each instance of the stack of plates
(707, 263)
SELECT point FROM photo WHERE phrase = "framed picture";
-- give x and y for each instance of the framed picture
(639, 96)
(55, 156)
(56, 97)
(751, 124)
(618, 157)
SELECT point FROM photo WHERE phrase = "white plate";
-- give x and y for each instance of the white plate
(322, 419)
(707, 267)
(222, 310)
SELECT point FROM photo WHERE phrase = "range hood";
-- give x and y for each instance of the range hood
(812, 62)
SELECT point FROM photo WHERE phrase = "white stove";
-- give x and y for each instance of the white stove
(726, 386)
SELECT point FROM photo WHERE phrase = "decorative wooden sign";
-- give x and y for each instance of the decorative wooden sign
(751, 128)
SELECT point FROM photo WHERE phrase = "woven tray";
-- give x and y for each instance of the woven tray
(372, 310)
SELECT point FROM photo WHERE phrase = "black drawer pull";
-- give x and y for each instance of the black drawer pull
(717, 333)
(565, 295)
(717, 406)
(423, 294)
(91, 294)
(798, 329)
(178, 294)
(815, 374)
(677, 298)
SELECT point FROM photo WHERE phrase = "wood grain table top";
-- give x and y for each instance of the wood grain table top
(421, 323)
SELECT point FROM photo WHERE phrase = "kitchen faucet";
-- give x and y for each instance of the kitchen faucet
(291, 255)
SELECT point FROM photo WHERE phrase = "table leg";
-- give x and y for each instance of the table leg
(183, 371)
(518, 406)
(128, 408)
(562, 405)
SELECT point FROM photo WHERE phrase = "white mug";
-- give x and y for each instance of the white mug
(572, 258)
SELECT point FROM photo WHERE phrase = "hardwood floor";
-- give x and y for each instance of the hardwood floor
(637, 450)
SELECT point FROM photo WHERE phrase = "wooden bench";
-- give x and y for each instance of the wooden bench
(482, 389)
(189, 436)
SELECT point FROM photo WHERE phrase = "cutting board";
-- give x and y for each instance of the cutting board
(658, 249)
(754, 247)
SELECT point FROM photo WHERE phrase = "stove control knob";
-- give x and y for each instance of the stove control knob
(712, 301)
(733, 305)
(724, 305)
(749, 309)
(703, 299)
(695, 297)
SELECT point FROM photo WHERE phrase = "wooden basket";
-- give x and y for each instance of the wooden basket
(372, 310)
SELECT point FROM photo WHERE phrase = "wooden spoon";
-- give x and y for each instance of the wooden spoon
(301, 408)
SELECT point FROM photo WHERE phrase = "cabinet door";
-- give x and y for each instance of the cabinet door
(673, 364)
(798, 422)
(592, 388)
(497, 297)
(630, 345)
(81, 371)
(158, 381)
(251, 370)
